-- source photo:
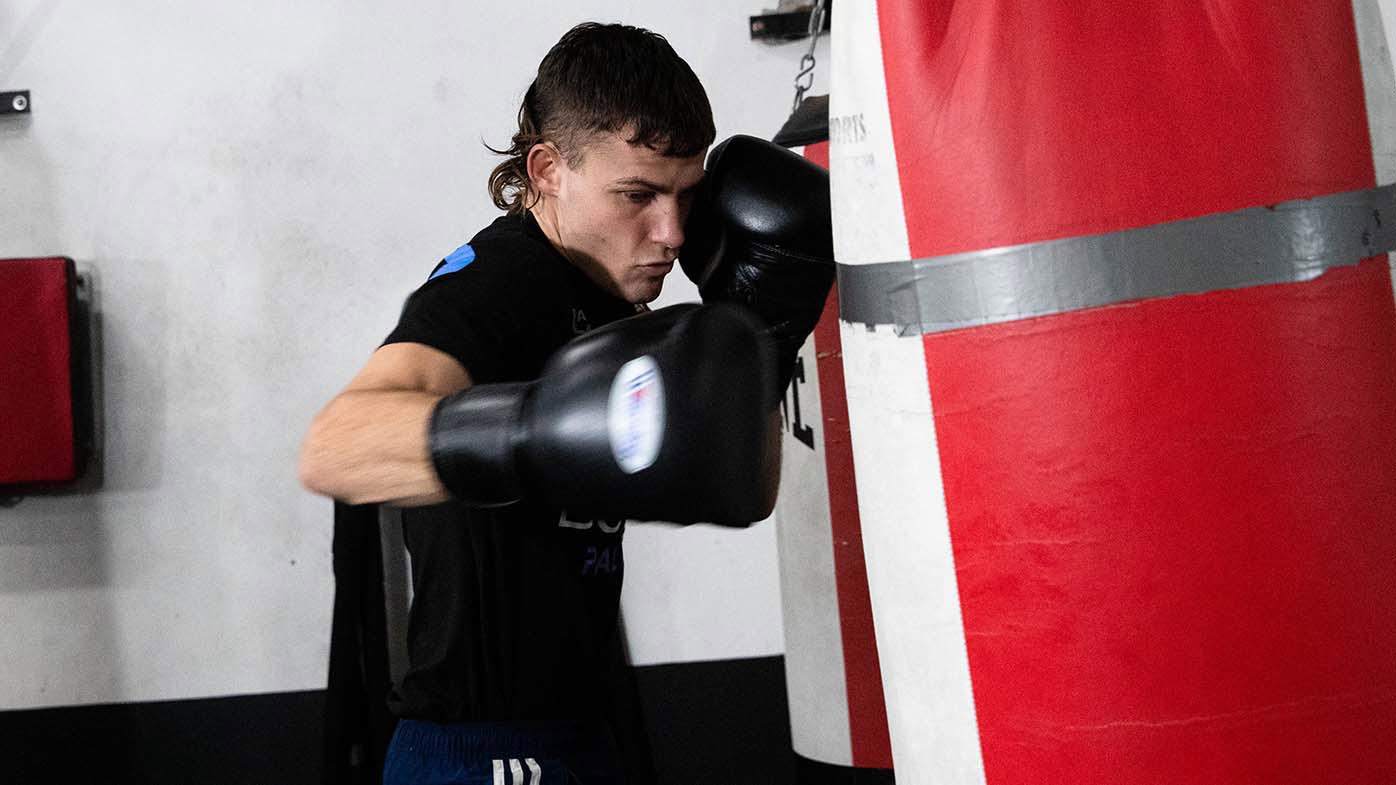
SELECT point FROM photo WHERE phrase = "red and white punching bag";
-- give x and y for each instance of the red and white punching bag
(1120, 351)
(838, 720)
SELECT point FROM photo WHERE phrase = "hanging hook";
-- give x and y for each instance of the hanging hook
(804, 80)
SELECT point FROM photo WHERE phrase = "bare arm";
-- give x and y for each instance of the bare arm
(369, 444)
(774, 454)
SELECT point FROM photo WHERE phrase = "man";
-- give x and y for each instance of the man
(512, 639)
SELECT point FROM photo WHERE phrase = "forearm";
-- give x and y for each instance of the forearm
(774, 437)
(370, 446)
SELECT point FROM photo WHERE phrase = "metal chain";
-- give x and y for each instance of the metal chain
(805, 78)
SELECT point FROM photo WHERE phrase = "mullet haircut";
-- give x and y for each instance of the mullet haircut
(602, 79)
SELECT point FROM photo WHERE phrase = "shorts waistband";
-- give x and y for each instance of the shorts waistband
(484, 740)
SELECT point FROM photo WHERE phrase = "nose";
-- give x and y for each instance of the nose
(667, 229)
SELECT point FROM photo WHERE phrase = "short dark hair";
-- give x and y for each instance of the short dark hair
(604, 78)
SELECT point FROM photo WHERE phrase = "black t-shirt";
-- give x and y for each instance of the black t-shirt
(514, 611)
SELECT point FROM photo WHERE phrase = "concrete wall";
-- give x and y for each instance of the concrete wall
(254, 188)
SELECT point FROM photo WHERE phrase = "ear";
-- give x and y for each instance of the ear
(545, 164)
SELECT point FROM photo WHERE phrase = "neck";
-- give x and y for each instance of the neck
(546, 216)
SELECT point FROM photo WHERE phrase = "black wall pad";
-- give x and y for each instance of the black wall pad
(240, 739)
(718, 722)
(812, 772)
(707, 722)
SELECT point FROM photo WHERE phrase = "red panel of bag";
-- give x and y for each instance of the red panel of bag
(1172, 519)
(1173, 533)
(36, 398)
(1016, 121)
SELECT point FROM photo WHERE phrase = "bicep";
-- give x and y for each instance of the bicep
(369, 444)
(411, 366)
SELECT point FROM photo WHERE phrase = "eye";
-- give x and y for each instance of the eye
(638, 197)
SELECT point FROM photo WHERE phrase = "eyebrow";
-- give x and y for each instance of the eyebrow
(656, 187)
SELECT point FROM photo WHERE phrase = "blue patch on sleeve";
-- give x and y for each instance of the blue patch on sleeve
(456, 262)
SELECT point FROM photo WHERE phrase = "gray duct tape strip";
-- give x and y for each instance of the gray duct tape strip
(1284, 243)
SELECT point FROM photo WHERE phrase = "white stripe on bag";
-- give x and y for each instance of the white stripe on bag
(498, 772)
(516, 769)
(535, 774)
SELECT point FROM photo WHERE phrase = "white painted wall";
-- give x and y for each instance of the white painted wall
(254, 188)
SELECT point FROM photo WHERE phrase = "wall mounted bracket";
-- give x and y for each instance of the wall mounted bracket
(778, 26)
(15, 102)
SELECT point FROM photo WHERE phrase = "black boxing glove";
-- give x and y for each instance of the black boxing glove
(659, 416)
(760, 234)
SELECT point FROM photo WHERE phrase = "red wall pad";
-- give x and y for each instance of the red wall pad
(1160, 450)
(36, 382)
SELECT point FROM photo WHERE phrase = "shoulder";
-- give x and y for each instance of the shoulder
(505, 253)
(492, 304)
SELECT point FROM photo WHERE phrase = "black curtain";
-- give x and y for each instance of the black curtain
(358, 726)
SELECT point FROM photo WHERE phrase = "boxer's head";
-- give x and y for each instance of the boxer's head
(610, 144)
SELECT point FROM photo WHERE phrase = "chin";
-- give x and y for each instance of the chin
(644, 292)
(647, 297)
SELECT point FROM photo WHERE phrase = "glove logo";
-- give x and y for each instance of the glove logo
(636, 414)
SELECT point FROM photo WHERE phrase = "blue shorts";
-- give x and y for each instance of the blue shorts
(514, 753)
